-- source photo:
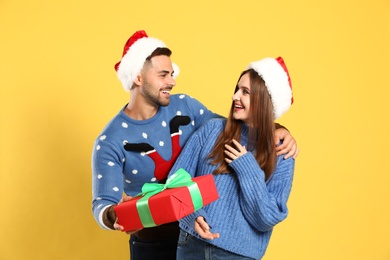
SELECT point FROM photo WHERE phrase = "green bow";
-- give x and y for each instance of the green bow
(181, 178)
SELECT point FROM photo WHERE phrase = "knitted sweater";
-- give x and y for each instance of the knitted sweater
(129, 153)
(248, 207)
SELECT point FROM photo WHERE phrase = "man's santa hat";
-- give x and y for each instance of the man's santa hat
(137, 48)
(277, 80)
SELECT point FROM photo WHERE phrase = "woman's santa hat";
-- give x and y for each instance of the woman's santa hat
(137, 48)
(277, 80)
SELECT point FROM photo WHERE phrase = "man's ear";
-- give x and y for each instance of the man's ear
(138, 80)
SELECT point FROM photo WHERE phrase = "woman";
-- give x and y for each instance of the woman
(252, 181)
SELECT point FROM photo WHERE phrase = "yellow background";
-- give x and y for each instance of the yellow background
(59, 89)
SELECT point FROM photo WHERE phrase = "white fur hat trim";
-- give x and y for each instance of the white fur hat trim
(277, 82)
(133, 61)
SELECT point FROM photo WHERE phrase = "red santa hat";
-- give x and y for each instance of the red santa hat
(137, 48)
(277, 80)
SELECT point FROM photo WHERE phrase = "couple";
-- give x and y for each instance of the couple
(142, 143)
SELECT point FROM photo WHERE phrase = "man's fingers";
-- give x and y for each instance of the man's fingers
(296, 153)
(282, 149)
(127, 198)
(289, 152)
(118, 227)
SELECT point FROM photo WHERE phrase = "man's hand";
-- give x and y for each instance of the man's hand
(203, 229)
(119, 227)
(288, 145)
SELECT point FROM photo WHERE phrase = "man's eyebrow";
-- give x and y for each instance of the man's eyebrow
(164, 72)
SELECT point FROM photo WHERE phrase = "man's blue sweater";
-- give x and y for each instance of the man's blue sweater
(128, 153)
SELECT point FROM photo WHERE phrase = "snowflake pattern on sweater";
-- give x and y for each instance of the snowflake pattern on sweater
(129, 153)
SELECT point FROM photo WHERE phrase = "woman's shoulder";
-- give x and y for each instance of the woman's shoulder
(216, 123)
(285, 166)
(281, 160)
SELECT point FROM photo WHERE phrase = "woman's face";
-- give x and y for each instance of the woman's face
(241, 100)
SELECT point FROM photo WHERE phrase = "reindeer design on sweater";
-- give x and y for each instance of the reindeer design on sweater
(162, 167)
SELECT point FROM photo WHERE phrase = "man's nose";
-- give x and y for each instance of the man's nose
(171, 81)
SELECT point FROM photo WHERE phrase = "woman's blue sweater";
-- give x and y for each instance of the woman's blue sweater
(248, 206)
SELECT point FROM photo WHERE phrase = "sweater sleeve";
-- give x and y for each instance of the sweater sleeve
(107, 180)
(264, 204)
(201, 112)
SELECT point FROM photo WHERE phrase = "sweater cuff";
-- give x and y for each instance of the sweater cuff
(245, 164)
(108, 217)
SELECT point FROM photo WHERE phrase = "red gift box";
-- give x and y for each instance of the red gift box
(167, 206)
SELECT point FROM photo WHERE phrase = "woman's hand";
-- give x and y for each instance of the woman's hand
(203, 229)
(233, 153)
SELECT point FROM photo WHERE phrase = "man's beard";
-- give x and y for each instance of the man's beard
(154, 99)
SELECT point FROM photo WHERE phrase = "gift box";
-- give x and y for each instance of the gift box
(158, 204)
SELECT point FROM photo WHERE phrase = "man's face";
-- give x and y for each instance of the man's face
(157, 81)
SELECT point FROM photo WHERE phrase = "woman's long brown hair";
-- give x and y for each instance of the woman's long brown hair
(261, 132)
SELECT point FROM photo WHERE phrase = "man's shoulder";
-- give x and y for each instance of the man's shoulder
(184, 98)
(116, 124)
(179, 95)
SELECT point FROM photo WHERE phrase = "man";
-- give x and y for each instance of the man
(141, 143)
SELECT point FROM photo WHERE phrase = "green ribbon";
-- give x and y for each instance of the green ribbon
(181, 178)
